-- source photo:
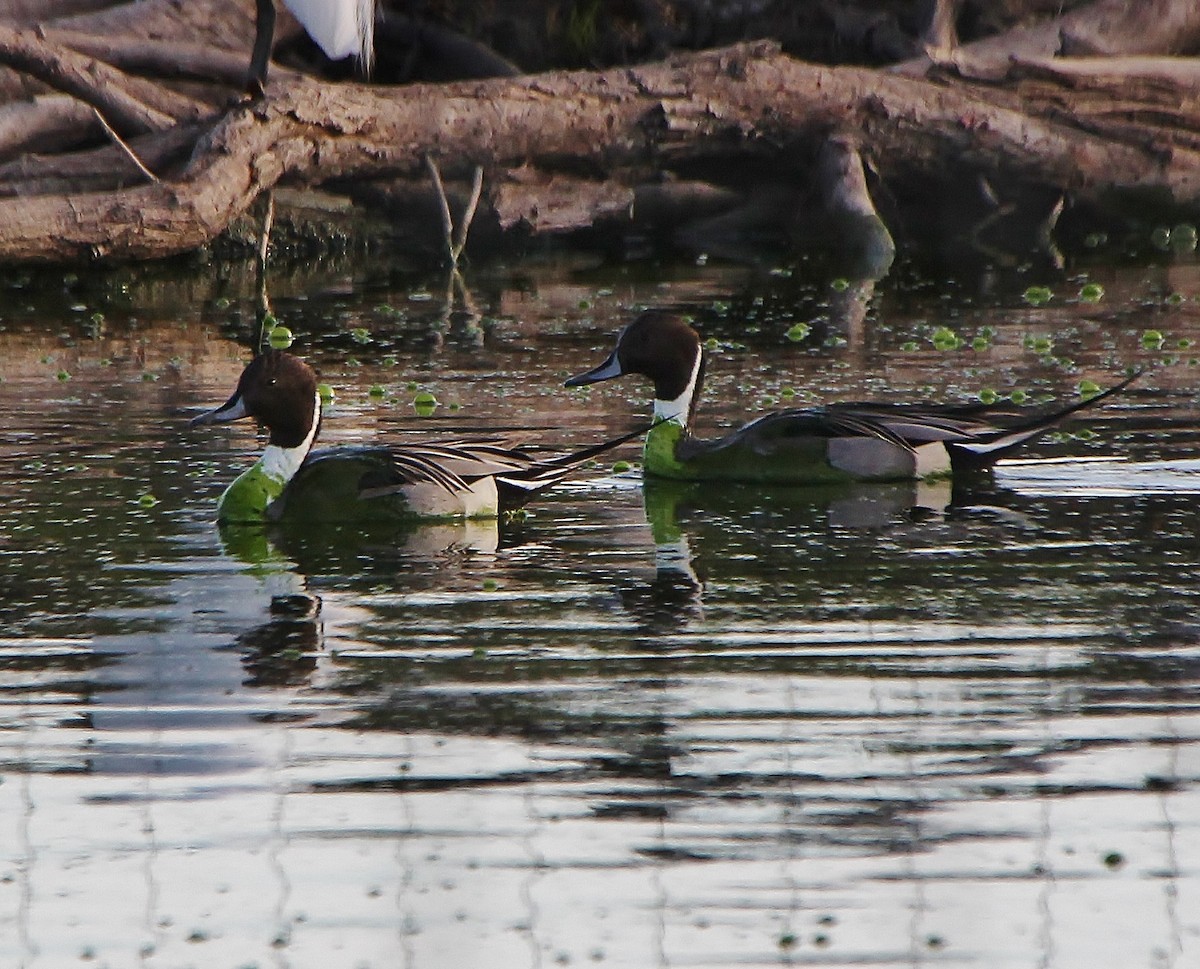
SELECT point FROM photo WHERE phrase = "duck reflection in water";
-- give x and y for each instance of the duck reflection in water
(320, 549)
(678, 511)
(283, 651)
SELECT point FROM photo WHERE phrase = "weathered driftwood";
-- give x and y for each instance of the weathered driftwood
(678, 141)
(131, 105)
(47, 122)
(741, 102)
(1106, 27)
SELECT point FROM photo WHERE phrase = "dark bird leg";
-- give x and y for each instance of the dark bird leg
(264, 36)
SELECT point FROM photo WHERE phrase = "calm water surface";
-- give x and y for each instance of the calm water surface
(891, 726)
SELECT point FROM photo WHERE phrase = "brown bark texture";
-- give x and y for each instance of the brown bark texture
(145, 150)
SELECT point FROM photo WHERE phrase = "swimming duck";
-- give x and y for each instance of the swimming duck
(811, 445)
(480, 477)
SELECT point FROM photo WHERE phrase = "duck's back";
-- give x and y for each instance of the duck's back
(791, 448)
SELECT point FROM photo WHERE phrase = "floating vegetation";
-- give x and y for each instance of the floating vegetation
(1153, 339)
(620, 467)
(326, 392)
(377, 390)
(1114, 859)
(1091, 293)
(1175, 299)
(63, 375)
(798, 332)
(280, 337)
(1038, 295)
(147, 500)
(425, 404)
(945, 338)
(1039, 344)
(988, 396)
(840, 285)
(1088, 388)
(981, 343)
(1019, 397)
(360, 334)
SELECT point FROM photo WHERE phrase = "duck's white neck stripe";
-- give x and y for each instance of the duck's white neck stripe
(282, 463)
(680, 408)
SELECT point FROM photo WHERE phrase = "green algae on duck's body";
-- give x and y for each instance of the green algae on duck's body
(249, 495)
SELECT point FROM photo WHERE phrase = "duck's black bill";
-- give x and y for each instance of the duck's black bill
(232, 410)
(606, 371)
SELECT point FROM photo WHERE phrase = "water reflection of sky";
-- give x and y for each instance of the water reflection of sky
(894, 726)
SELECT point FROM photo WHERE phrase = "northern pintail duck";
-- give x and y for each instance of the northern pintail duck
(471, 478)
(811, 445)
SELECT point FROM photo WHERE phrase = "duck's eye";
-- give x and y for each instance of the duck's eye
(271, 382)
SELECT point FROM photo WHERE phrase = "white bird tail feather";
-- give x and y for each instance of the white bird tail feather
(340, 27)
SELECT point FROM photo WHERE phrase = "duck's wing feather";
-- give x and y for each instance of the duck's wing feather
(452, 465)
(377, 471)
(834, 420)
(456, 464)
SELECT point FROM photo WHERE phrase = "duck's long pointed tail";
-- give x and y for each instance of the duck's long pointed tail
(981, 454)
(516, 488)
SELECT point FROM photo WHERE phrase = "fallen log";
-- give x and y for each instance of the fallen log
(131, 105)
(1105, 27)
(706, 115)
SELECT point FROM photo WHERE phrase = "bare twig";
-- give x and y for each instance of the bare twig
(444, 203)
(267, 201)
(460, 240)
(120, 143)
(456, 241)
